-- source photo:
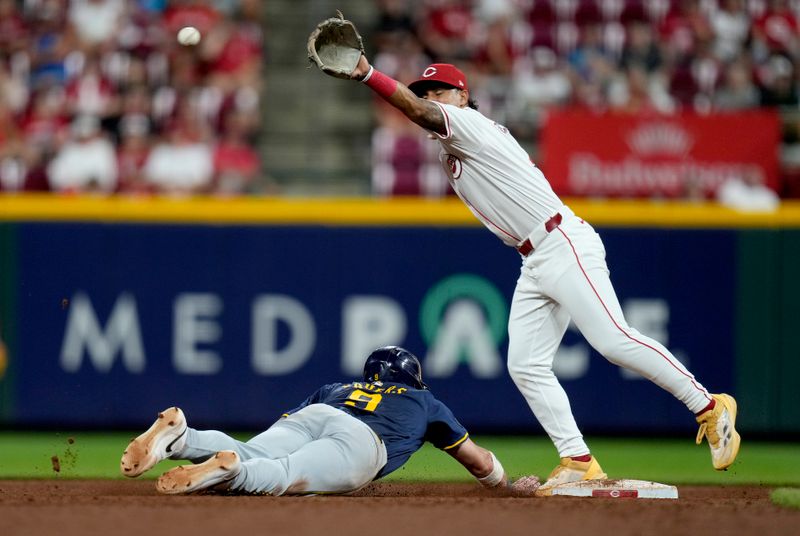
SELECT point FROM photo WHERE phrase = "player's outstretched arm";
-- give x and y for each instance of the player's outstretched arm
(481, 463)
(422, 112)
(487, 469)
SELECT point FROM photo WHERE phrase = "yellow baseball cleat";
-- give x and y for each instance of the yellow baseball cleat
(570, 470)
(718, 425)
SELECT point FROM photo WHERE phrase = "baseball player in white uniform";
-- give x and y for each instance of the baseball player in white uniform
(563, 275)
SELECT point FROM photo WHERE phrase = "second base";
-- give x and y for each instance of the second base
(614, 489)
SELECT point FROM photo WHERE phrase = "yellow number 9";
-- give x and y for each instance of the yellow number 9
(370, 401)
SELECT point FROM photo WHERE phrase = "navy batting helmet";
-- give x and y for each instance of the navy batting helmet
(394, 364)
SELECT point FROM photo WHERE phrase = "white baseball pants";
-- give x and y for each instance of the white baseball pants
(317, 449)
(565, 277)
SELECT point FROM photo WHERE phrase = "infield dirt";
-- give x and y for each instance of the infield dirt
(86, 507)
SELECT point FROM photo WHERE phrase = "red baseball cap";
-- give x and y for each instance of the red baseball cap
(437, 74)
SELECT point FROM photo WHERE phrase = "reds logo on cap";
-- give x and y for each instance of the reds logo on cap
(440, 72)
(430, 71)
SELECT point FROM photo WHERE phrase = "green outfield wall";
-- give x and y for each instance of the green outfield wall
(768, 324)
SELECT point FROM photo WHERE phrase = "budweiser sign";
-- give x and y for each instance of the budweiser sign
(660, 138)
(625, 156)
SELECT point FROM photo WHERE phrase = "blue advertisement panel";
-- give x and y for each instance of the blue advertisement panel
(238, 323)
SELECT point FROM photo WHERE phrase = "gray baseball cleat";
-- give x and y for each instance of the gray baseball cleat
(165, 437)
(223, 467)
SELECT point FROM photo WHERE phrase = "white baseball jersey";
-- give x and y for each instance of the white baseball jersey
(493, 175)
(564, 278)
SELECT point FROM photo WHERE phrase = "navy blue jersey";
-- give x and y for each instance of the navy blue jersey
(403, 417)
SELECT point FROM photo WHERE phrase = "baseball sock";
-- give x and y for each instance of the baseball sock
(709, 407)
(584, 458)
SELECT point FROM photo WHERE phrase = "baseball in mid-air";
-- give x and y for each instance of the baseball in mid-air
(188, 36)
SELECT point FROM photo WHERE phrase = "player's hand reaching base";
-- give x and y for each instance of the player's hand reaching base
(525, 486)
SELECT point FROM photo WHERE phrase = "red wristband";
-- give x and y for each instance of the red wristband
(381, 84)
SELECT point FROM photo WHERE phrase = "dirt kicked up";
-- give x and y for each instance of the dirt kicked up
(87, 507)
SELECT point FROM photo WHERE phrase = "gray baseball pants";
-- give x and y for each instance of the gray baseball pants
(318, 449)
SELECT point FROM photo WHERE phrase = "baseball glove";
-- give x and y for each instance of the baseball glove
(335, 46)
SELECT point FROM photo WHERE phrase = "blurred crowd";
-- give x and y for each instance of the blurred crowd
(523, 57)
(98, 96)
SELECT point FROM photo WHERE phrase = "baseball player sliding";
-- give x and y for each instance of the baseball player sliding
(563, 275)
(338, 440)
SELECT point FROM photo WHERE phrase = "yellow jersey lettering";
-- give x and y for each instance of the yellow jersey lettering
(377, 387)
